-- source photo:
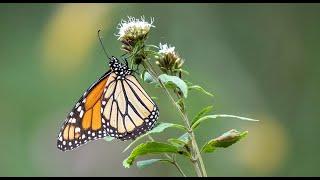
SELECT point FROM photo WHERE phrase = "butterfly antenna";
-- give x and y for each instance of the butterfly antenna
(100, 39)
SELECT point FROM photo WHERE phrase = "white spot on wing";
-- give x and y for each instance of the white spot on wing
(81, 113)
(77, 129)
(72, 120)
(79, 109)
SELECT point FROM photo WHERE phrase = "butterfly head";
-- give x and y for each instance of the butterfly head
(120, 69)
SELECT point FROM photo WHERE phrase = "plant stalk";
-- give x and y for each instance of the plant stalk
(201, 171)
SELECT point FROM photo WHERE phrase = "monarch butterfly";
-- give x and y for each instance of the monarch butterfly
(115, 105)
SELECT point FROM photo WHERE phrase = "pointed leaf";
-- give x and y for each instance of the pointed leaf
(177, 142)
(202, 113)
(199, 88)
(145, 163)
(158, 129)
(196, 123)
(151, 148)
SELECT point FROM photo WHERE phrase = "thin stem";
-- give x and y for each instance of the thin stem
(200, 171)
(196, 167)
(193, 138)
(175, 163)
(172, 160)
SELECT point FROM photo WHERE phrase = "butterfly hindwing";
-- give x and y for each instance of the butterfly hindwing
(127, 109)
(83, 123)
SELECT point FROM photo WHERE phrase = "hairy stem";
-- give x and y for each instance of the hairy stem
(201, 171)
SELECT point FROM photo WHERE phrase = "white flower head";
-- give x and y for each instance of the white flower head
(134, 28)
(165, 48)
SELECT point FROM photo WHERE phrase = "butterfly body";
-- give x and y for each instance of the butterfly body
(115, 105)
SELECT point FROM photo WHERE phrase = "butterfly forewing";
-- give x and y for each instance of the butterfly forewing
(84, 122)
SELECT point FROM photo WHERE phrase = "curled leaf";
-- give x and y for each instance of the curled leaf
(173, 82)
(223, 141)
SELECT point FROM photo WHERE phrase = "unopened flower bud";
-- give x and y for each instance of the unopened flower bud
(168, 59)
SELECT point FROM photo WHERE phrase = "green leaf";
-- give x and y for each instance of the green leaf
(177, 142)
(196, 123)
(158, 129)
(148, 78)
(145, 163)
(185, 137)
(199, 88)
(151, 148)
(108, 138)
(202, 113)
(182, 141)
(173, 82)
(223, 141)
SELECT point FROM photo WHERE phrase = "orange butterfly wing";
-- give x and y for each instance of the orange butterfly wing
(84, 123)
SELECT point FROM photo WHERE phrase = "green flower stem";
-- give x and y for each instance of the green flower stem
(172, 160)
(199, 170)
(193, 138)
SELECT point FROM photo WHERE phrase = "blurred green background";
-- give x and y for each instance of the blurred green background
(260, 61)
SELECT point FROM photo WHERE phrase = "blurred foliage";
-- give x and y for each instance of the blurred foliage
(260, 60)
